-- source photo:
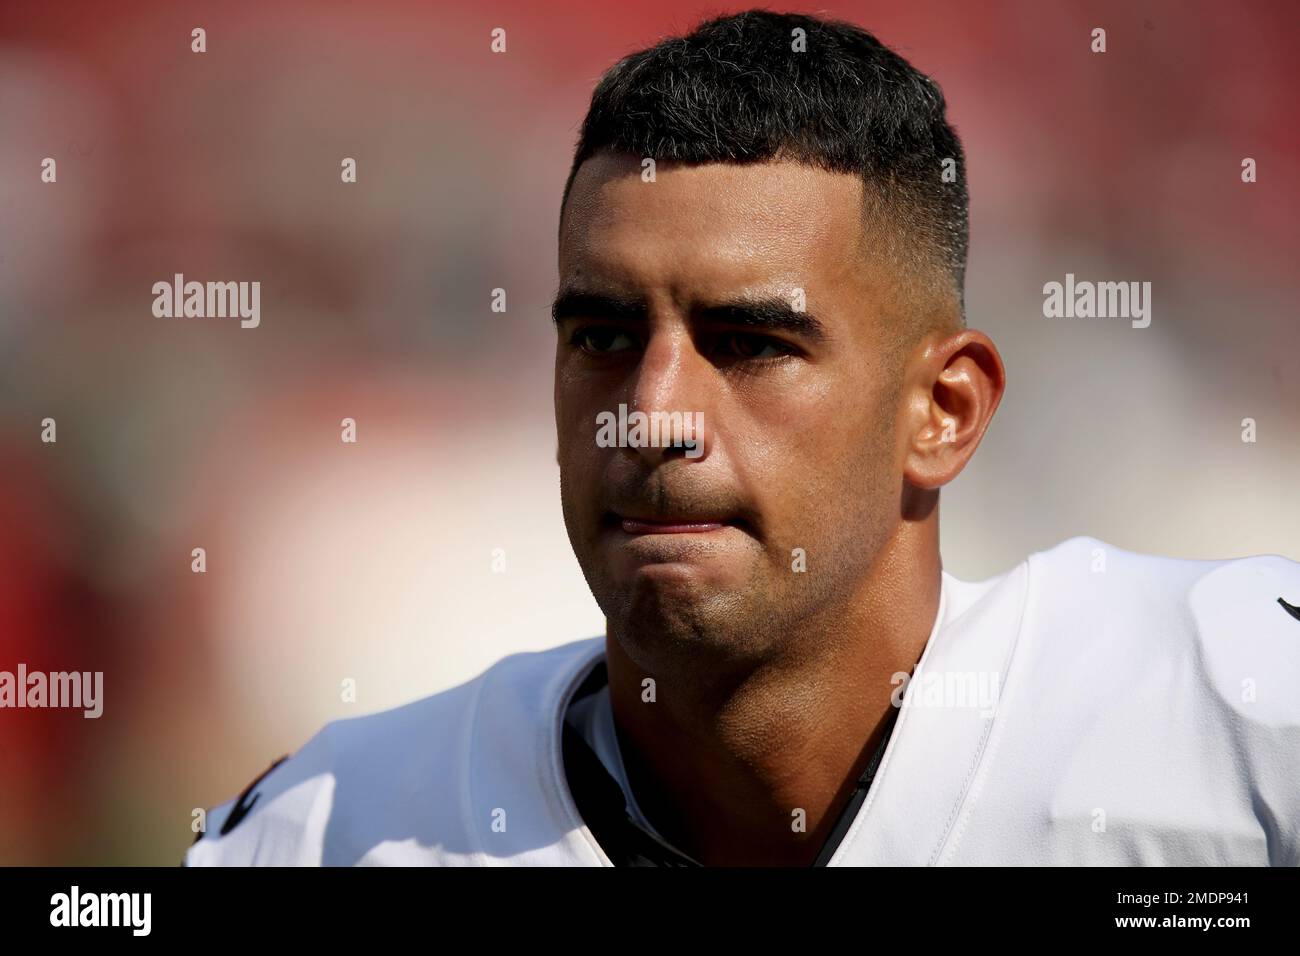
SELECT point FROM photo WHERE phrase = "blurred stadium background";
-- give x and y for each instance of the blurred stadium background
(372, 561)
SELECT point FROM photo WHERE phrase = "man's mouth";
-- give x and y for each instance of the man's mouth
(683, 524)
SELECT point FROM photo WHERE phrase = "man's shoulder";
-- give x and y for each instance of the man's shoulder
(1144, 710)
(1211, 641)
(394, 779)
(1137, 596)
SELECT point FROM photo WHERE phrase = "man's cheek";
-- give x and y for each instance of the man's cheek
(576, 440)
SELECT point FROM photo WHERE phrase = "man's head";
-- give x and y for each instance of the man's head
(765, 224)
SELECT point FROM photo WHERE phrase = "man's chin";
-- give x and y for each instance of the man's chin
(671, 626)
(670, 594)
(700, 602)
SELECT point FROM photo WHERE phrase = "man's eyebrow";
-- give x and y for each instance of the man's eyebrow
(576, 304)
(773, 314)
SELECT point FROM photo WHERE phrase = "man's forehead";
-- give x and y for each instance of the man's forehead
(751, 218)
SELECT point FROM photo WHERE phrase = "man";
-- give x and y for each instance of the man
(764, 233)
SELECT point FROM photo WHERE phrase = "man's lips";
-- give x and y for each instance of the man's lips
(671, 525)
(635, 526)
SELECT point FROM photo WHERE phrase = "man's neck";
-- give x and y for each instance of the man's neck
(760, 774)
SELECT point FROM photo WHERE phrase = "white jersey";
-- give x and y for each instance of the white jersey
(1090, 706)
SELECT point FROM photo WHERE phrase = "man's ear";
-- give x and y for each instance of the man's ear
(952, 390)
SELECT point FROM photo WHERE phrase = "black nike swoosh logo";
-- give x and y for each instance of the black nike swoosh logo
(1290, 609)
(243, 805)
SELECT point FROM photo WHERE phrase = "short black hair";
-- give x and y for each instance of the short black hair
(736, 90)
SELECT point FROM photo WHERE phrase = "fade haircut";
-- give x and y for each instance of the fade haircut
(736, 90)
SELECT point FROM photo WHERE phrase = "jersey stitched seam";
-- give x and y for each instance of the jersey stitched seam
(981, 750)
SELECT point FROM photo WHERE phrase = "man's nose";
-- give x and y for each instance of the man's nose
(670, 387)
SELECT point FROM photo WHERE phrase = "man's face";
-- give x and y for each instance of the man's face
(684, 295)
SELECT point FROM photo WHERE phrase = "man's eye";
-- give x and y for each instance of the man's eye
(602, 339)
(746, 345)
